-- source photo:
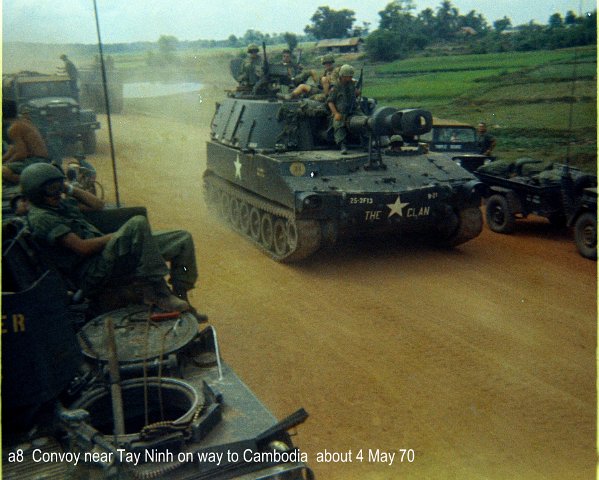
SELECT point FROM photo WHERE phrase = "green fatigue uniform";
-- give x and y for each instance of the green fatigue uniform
(251, 72)
(344, 98)
(133, 250)
(484, 142)
(73, 74)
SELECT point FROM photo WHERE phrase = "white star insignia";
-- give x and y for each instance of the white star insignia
(397, 207)
(237, 164)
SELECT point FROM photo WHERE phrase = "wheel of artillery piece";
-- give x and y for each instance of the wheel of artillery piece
(244, 217)
(585, 234)
(280, 240)
(500, 216)
(234, 211)
(255, 223)
(266, 230)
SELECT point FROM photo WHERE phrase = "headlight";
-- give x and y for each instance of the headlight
(312, 202)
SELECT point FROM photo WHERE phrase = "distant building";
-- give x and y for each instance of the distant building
(468, 31)
(340, 45)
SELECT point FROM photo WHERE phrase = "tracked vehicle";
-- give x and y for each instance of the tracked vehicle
(275, 174)
(124, 393)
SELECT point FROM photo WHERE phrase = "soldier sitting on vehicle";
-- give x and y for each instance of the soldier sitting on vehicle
(93, 259)
(322, 83)
(26, 147)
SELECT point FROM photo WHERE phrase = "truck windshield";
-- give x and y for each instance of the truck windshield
(454, 134)
(44, 89)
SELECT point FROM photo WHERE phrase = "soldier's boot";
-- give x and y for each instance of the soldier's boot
(343, 148)
(159, 295)
(181, 293)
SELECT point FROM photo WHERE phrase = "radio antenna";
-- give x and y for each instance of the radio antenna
(107, 106)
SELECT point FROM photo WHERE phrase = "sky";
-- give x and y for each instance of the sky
(123, 21)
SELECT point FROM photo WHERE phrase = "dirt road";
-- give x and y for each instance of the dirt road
(481, 360)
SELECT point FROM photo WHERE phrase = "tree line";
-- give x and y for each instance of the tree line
(401, 32)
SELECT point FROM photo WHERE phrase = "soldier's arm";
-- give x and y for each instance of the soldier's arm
(84, 247)
(88, 202)
(18, 147)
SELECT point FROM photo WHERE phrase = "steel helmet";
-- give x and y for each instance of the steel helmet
(346, 71)
(34, 177)
(328, 59)
(252, 47)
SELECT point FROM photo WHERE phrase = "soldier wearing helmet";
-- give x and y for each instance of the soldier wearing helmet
(331, 74)
(251, 70)
(322, 83)
(342, 103)
(27, 145)
(93, 259)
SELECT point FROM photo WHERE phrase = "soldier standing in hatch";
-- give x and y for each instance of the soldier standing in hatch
(292, 68)
(26, 147)
(251, 70)
(342, 103)
(70, 69)
(484, 140)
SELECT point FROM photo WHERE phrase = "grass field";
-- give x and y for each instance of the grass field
(537, 104)
(540, 104)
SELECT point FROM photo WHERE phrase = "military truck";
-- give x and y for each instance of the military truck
(105, 391)
(276, 176)
(53, 108)
(458, 140)
(566, 196)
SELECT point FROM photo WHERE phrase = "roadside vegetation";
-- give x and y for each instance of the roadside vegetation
(539, 104)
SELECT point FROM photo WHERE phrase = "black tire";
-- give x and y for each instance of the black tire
(500, 216)
(88, 140)
(585, 235)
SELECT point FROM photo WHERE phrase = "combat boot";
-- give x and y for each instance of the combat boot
(182, 294)
(159, 295)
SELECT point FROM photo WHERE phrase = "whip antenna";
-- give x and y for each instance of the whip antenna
(107, 106)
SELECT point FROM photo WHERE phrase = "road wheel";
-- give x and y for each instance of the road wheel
(266, 230)
(234, 211)
(225, 206)
(585, 234)
(88, 141)
(280, 237)
(500, 216)
(244, 217)
(255, 223)
(292, 235)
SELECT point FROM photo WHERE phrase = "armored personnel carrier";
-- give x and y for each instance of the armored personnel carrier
(125, 393)
(275, 174)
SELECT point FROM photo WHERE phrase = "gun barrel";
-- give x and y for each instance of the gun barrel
(391, 121)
